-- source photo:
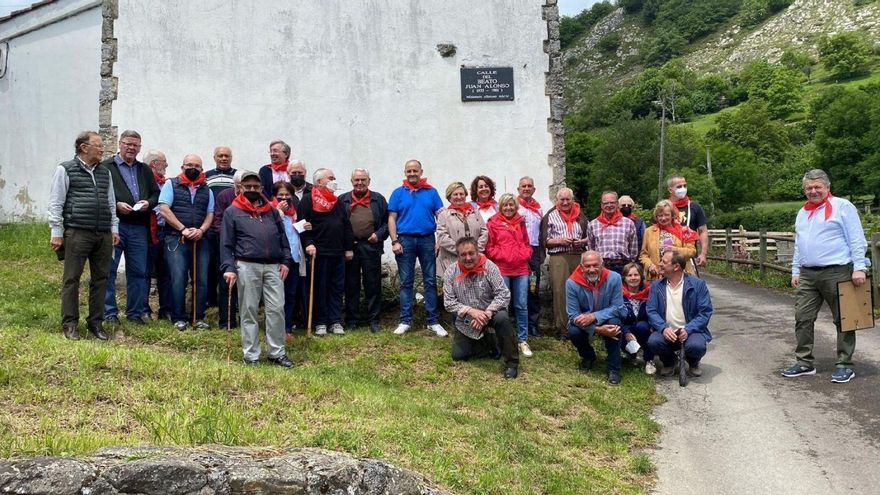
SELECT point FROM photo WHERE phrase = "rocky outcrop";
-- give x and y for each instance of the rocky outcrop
(209, 471)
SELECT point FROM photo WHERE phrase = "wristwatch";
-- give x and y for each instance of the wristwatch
(395, 241)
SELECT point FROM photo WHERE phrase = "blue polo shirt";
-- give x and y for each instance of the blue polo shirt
(415, 210)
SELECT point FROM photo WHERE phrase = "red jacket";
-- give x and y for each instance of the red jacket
(507, 247)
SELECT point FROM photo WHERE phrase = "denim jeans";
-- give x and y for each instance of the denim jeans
(134, 241)
(421, 248)
(580, 337)
(694, 348)
(178, 260)
(642, 331)
(519, 296)
(329, 287)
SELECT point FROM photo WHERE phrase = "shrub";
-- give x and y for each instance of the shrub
(773, 219)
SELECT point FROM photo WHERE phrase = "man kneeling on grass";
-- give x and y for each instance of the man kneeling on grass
(678, 310)
(474, 291)
(254, 252)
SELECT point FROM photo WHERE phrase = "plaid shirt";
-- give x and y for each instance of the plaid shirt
(618, 242)
(484, 291)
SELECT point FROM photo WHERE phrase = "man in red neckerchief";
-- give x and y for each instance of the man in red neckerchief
(690, 214)
(255, 257)
(276, 170)
(613, 235)
(155, 255)
(329, 244)
(594, 304)
(531, 211)
(368, 215)
(474, 291)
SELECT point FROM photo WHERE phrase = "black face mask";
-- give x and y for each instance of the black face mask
(252, 196)
(192, 173)
(626, 210)
(297, 180)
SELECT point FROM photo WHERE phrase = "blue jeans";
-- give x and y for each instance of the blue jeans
(642, 331)
(580, 337)
(134, 241)
(519, 298)
(329, 287)
(694, 348)
(421, 248)
(178, 260)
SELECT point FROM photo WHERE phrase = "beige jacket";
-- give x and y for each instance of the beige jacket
(450, 228)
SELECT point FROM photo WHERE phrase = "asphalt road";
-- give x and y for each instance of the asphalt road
(743, 429)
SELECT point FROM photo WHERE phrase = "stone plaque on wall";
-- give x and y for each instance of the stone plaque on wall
(486, 83)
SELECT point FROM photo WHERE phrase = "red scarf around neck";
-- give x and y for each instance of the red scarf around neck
(323, 199)
(641, 295)
(480, 267)
(680, 203)
(571, 217)
(684, 234)
(243, 204)
(812, 207)
(280, 167)
(631, 216)
(362, 201)
(580, 278)
(192, 183)
(160, 179)
(607, 222)
(462, 208)
(530, 204)
(488, 203)
(513, 223)
(289, 212)
(421, 184)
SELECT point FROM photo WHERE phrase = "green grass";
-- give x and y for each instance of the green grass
(553, 430)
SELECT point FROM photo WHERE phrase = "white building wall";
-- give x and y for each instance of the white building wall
(346, 83)
(47, 96)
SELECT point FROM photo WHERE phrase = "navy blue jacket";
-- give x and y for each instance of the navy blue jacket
(380, 217)
(696, 302)
(258, 239)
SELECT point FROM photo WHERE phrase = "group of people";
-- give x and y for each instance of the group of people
(246, 238)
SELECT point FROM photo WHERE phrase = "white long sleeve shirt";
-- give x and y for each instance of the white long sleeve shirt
(840, 240)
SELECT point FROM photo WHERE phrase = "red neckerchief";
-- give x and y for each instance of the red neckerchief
(529, 204)
(243, 204)
(571, 217)
(364, 201)
(631, 216)
(421, 184)
(160, 179)
(578, 276)
(463, 208)
(684, 234)
(289, 212)
(194, 183)
(480, 267)
(323, 199)
(513, 223)
(812, 207)
(641, 295)
(489, 203)
(680, 203)
(607, 222)
(279, 167)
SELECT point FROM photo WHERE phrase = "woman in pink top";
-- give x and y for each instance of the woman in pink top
(509, 248)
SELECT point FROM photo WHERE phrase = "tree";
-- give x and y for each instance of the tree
(844, 54)
(740, 176)
(773, 83)
(667, 45)
(798, 62)
(751, 126)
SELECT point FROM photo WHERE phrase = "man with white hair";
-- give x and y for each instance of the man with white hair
(330, 242)
(155, 159)
(531, 211)
(296, 171)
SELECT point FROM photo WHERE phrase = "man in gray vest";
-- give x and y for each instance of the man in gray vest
(82, 216)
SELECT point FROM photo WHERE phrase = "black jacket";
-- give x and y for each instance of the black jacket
(331, 232)
(265, 174)
(258, 239)
(380, 217)
(148, 190)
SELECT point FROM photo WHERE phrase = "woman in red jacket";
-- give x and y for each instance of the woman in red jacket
(509, 248)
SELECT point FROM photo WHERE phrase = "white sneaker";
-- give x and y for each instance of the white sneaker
(650, 368)
(320, 329)
(524, 349)
(337, 329)
(438, 329)
(401, 329)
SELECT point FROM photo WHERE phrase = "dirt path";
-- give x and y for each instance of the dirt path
(742, 428)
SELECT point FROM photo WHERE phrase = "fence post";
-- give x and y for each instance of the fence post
(728, 247)
(762, 253)
(875, 262)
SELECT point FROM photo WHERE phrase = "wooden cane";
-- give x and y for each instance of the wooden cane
(195, 244)
(311, 297)
(228, 323)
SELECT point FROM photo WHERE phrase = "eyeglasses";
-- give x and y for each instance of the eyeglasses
(130, 144)
(609, 203)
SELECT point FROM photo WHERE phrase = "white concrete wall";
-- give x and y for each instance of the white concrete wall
(347, 83)
(48, 95)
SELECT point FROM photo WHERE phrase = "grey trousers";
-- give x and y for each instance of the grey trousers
(81, 246)
(256, 280)
(816, 286)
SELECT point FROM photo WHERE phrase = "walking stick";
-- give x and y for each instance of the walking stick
(194, 246)
(682, 371)
(228, 323)
(311, 296)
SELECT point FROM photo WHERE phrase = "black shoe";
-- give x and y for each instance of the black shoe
(586, 365)
(613, 377)
(251, 363)
(99, 332)
(511, 372)
(112, 320)
(533, 332)
(374, 327)
(283, 361)
(350, 327)
(70, 331)
(137, 321)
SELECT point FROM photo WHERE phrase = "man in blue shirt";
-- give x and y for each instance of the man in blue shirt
(829, 248)
(411, 226)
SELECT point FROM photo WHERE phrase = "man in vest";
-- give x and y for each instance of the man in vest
(187, 205)
(82, 217)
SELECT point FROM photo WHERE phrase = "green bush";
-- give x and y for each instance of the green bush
(771, 219)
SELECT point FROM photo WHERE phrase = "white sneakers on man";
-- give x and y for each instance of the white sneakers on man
(524, 349)
(337, 329)
(650, 368)
(320, 329)
(401, 329)
(438, 329)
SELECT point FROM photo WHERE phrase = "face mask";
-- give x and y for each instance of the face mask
(626, 210)
(297, 180)
(332, 185)
(192, 173)
(252, 196)
(681, 192)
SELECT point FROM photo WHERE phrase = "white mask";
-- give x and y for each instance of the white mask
(332, 185)
(681, 192)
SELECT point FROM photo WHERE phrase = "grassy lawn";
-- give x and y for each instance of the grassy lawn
(552, 431)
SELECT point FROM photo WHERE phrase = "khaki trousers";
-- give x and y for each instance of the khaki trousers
(561, 266)
(816, 286)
